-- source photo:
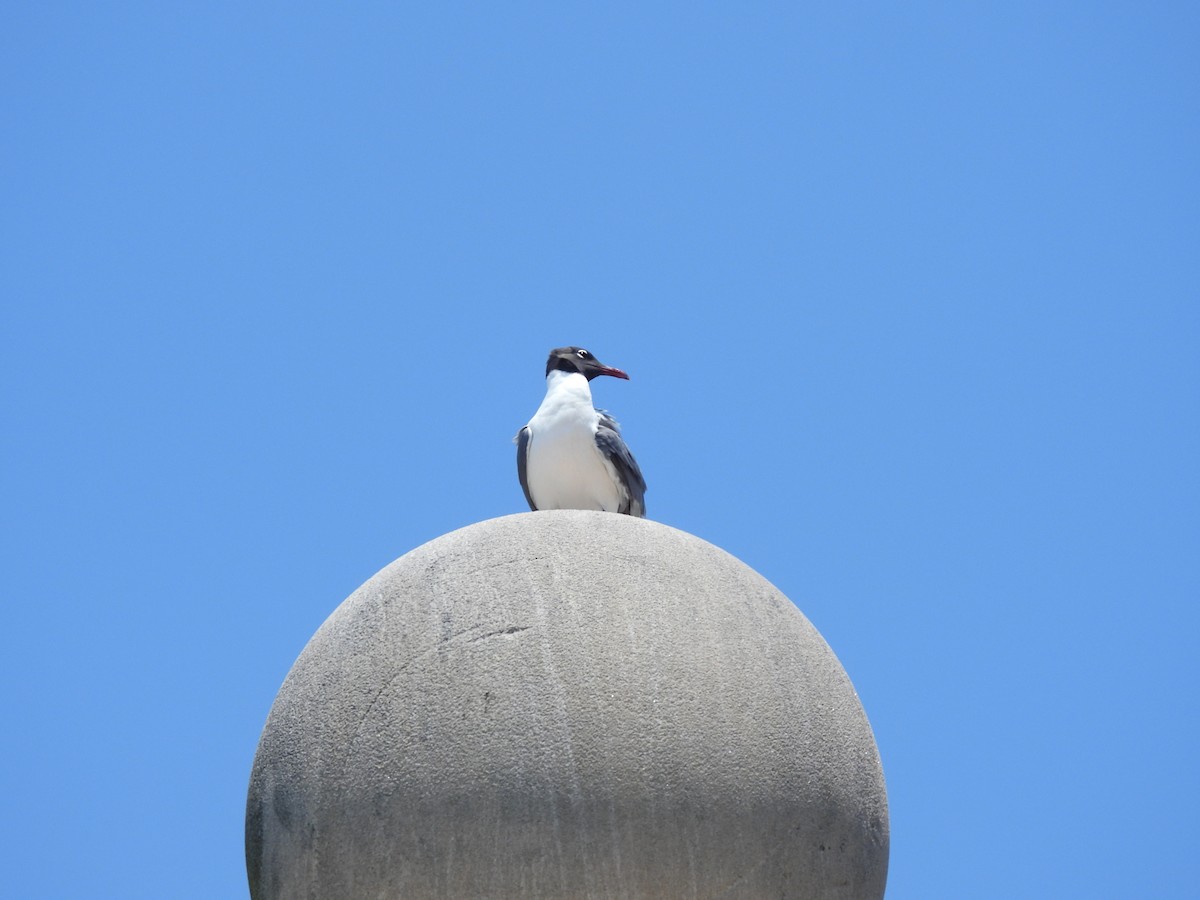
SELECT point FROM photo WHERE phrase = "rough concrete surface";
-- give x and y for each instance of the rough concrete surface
(566, 704)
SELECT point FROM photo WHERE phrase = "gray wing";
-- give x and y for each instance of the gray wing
(611, 444)
(524, 436)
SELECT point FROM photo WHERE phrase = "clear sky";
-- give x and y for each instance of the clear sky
(909, 295)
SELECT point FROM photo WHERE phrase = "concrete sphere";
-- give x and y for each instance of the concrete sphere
(567, 704)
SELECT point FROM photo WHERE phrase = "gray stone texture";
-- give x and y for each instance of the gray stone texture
(567, 704)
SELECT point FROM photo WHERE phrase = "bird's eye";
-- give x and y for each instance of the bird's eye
(582, 354)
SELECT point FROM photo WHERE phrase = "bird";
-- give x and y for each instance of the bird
(571, 455)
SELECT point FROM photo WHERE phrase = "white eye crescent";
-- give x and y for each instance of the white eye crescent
(582, 354)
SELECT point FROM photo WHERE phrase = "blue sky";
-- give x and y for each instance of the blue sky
(910, 298)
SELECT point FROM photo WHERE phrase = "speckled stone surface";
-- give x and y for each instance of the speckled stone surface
(567, 704)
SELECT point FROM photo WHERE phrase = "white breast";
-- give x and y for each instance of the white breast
(565, 470)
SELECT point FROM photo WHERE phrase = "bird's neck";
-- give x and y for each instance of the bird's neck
(568, 387)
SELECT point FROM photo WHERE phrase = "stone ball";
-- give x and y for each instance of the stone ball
(567, 704)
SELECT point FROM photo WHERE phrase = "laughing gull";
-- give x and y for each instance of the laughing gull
(571, 455)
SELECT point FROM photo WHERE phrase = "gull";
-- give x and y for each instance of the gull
(571, 455)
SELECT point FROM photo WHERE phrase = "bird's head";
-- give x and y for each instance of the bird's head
(576, 359)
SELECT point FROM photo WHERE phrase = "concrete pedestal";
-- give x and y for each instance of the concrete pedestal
(566, 704)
